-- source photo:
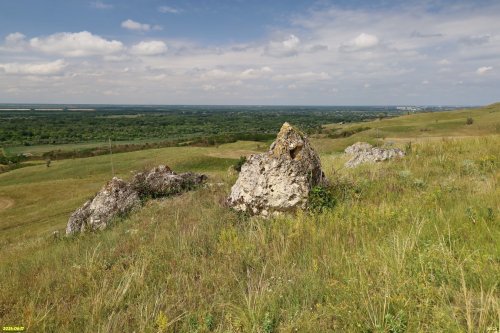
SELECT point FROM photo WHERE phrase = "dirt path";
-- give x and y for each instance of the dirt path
(5, 203)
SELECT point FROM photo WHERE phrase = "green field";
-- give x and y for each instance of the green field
(38, 150)
(428, 125)
(411, 245)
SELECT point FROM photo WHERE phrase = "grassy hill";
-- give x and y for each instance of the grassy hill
(411, 245)
(415, 127)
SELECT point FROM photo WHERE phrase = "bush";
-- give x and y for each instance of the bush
(321, 199)
(408, 148)
(469, 121)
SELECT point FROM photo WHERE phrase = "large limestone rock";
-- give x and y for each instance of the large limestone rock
(118, 197)
(280, 179)
(363, 152)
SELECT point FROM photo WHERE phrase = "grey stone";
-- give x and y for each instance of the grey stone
(116, 198)
(363, 152)
(162, 181)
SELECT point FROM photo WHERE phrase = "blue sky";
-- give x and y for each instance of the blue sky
(250, 52)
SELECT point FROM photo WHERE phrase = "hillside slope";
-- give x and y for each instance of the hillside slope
(411, 245)
(414, 127)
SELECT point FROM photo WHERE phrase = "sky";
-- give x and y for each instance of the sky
(280, 52)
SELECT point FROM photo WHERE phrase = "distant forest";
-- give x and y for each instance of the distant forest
(174, 123)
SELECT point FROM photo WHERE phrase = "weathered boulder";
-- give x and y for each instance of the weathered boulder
(162, 181)
(116, 198)
(358, 147)
(363, 152)
(280, 179)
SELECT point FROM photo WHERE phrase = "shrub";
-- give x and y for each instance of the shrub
(469, 121)
(408, 148)
(468, 167)
(321, 199)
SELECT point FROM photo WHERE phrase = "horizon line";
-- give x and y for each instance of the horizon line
(255, 105)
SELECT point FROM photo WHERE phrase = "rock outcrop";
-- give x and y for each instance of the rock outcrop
(363, 152)
(116, 198)
(280, 179)
(162, 181)
(119, 197)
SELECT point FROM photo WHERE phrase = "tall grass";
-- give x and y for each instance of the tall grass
(411, 245)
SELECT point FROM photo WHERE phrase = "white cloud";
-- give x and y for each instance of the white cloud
(158, 77)
(47, 68)
(101, 5)
(209, 87)
(284, 48)
(14, 38)
(483, 70)
(304, 76)
(78, 44)
(136, 26)
(362, 41)
(14, 42)
(255, 73)
(150, 48)
(216, 74)
(117, 58)
(169, 10)
(444, 62)
(236, 76)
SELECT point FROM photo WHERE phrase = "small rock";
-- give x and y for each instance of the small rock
(358, 147)
(365, 153)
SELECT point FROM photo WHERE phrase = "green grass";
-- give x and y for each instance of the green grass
(38, 150)
(417, 127)
(44, 197)
(411, 246)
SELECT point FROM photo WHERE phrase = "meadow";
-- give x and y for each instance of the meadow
(411, 245)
